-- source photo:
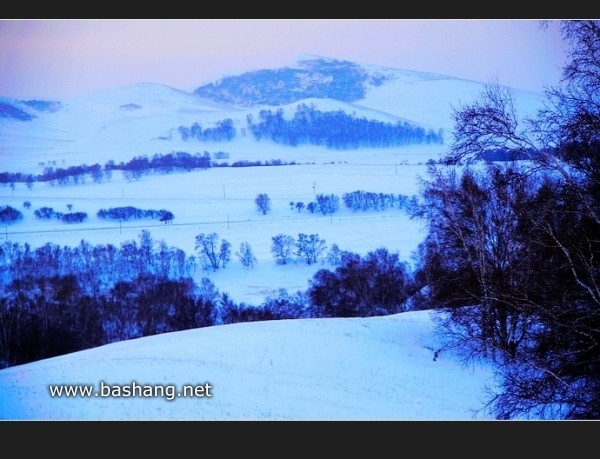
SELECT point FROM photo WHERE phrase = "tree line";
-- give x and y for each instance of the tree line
(511, 257)
(55, 300)
(328, 204)
(336, 130)
(133, 169)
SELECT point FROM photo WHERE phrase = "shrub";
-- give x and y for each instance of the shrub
(9, 214)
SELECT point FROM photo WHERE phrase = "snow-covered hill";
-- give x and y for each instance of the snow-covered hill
(120, 123)
(376, 368)
(380, 368)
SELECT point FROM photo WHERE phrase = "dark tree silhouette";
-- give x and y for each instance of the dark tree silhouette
(526, 269)
(377, 284)
(263, 202)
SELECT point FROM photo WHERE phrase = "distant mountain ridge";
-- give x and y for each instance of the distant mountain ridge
(308, 77)
(150, 118)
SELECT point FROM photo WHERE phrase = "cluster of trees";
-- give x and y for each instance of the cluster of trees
(501, 154)
(46, 213)
(42, 317)
(336, 130)
(224, 131)
(366, 200)
(360, 286)
(212, 253)
(97, 265)
(17, 177)
(56, 300)
(43, 105)
(512, 252)
(73, 175)
(73, 217)
(9, 214)
(327, 204)
(161, 164)
(8, 110)
(307, 248)
(377, 284)
(129, 212)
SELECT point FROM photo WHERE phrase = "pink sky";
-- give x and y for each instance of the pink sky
(68, 58)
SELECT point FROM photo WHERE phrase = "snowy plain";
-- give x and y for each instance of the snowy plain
(379, 368)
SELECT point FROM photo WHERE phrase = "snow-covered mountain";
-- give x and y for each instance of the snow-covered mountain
(142, 119)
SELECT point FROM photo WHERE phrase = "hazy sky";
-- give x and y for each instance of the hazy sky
(67, 58)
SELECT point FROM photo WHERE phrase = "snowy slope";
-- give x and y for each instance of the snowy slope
(380, 368)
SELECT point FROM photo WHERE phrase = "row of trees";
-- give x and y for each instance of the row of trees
(512, 253)
(98, 265)
(325, 204)
(10, 215)
(307, 248)
(328, 204)
(133, 169)
(47, 213)
(162, 164)
(368, 200)
(336, 129)
(223, 131)
(55, 300)
(129, 212)
(214, 253)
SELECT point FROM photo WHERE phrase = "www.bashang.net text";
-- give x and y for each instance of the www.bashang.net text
(169, 391)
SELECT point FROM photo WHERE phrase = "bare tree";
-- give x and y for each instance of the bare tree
(245, 255)
(263, 202)
(310, 247)
(208, 252)
(528, 244)
(282, 248)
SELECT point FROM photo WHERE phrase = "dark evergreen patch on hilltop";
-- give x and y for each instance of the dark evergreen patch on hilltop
(320, 78)
(11, 111)
(50, 106)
